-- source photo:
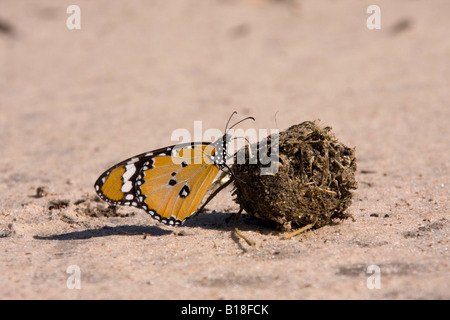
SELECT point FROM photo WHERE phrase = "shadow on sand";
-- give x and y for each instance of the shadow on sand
(217, 221)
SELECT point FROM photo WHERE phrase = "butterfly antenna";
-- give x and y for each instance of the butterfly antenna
(248, 118)
(229, 119)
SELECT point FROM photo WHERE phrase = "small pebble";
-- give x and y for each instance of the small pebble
(41, 191)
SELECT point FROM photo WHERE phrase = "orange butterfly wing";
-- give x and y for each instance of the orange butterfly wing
(168, 183)
(173, 186)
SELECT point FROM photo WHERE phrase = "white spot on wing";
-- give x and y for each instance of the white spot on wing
(129, 197)
(126, 187)
(133, 160)
(130, 170)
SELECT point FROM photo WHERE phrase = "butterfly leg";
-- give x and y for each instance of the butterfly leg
(231, 173)
(212, 195)
(219, 180)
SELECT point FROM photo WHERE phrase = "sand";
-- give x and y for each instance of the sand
(75, 102)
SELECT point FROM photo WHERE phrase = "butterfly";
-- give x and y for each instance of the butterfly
(168, 183)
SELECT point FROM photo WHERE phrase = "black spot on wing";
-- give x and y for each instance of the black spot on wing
(184, 192)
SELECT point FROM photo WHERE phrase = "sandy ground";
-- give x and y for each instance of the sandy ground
(74, 102)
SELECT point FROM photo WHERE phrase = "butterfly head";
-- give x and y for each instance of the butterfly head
(221, 145)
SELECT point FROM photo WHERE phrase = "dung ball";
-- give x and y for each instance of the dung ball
(309, 180)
